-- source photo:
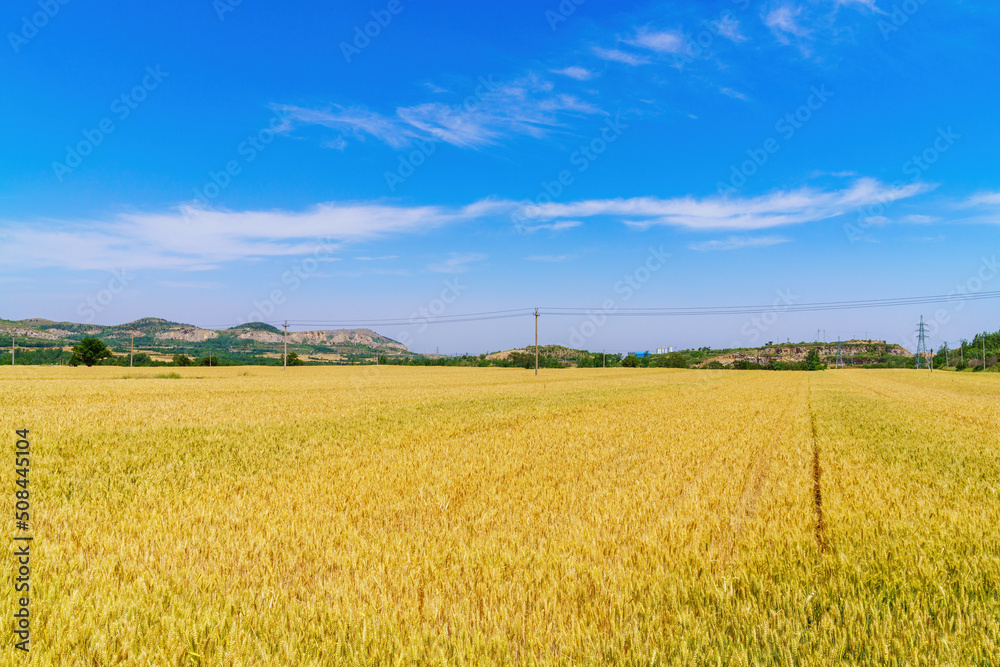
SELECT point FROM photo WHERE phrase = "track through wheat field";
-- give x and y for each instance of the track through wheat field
(249, 516)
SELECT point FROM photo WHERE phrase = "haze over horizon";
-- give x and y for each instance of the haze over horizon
(390, 161)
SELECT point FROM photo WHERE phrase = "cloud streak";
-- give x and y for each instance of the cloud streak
(194, 239)
(738, 242)
(528, 106)
(716, 213)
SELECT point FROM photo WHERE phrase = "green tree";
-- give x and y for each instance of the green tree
(631, 361)
(182, 360)
(88, 352)
(672, 360)
(142, 359)
(293, 359)
(812, 360)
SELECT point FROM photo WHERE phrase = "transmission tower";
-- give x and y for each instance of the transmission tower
(840, 356)
(922, 344)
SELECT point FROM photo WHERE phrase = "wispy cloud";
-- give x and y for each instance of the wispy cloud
(919, 219)
(457, 263)
(770, 210)
(189, 238)
(560, 226)
(783, 20)
(548, 258)
(663, 41)
(576, 72)
(737, 242)
(735, 94)
(527, 106)
(729, 28)
(618, 56)
(983, 199)
(376, 259)
(180, 284)
(870, 5)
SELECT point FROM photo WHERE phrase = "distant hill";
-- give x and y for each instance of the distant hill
(159, 335)
(255, 326)
(859, 351)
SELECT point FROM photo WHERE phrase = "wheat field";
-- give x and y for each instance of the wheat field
(397, 516)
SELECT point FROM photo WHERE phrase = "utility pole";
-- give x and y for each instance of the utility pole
(922, 344)
(604, 358)
(131, 351)
(984, 350)
(536, 341)
(13, 346)
(840, 357)
(284, 360)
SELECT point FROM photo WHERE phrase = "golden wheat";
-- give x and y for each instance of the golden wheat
(466, 516)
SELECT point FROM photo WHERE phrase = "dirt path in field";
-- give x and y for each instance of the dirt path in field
(821, 540)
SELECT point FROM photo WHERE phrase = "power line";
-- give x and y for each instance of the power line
(679, 311)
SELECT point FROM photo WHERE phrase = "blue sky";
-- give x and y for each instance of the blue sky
(214, 162)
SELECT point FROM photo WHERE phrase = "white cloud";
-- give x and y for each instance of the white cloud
(457, 263)
(526, 106)
(562, 225)
(737, 242)
(617, 56)
(866, 4)
(376, 259)
(783, 20)
(917, 219)
(735, 94)
(576, 72)
(189, 238)
(548, 258)
(762, 212)
(356, 120)
(729, 28)
(984, 199)
(175, 284)
(665, 41)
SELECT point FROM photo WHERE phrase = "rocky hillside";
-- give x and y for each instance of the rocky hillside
(152, 331)
(861, 351)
